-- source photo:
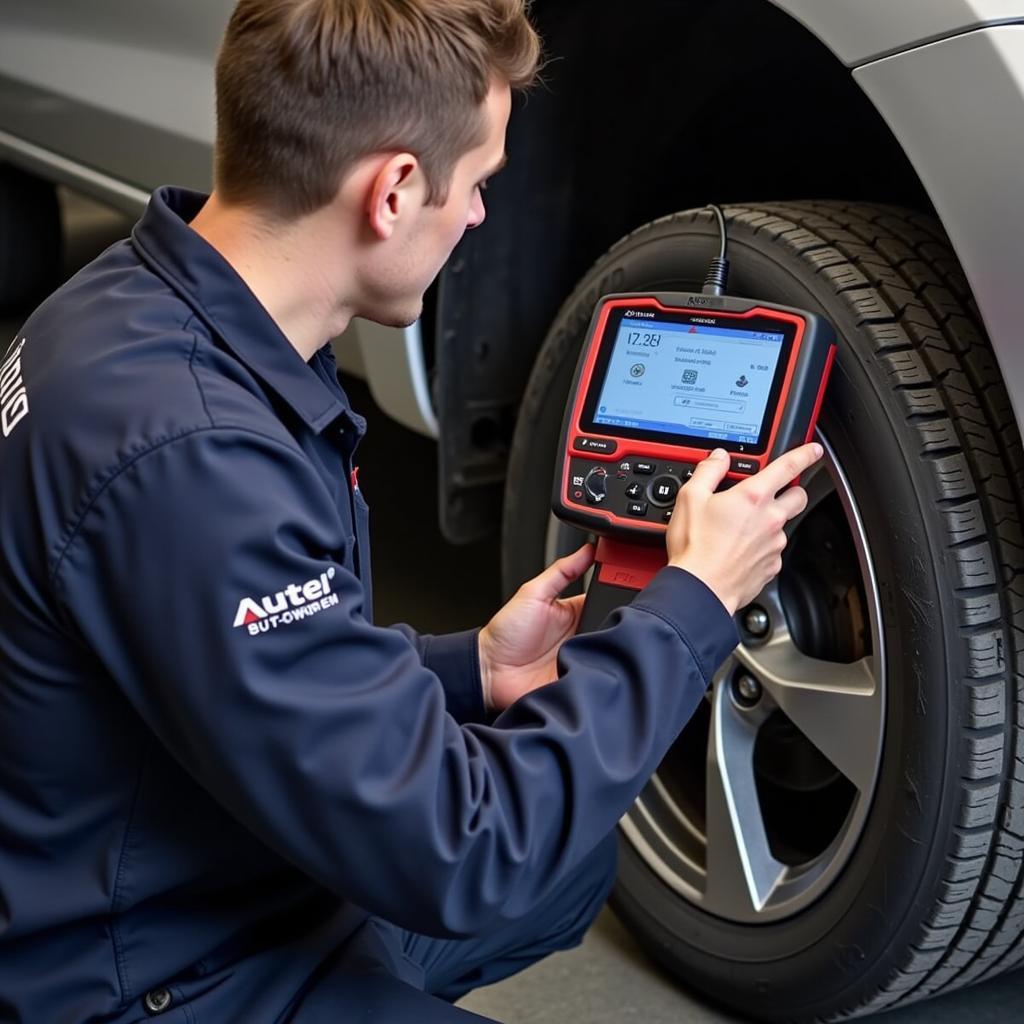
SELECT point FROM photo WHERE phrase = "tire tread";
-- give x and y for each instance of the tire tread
(898, 274)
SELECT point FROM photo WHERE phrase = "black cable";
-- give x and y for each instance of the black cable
(718, 270)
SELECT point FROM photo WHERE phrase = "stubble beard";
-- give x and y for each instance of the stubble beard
(400, 315)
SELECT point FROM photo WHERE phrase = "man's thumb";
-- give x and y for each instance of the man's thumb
(711, 471)
(557, 576)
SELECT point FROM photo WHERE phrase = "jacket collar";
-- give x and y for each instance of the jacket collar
(210, 285)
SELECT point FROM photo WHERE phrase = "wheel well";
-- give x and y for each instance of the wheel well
(678, 105)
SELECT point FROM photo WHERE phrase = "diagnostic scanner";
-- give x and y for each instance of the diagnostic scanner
(663, 379)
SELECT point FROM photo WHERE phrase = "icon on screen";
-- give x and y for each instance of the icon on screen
(689, 376)
(692, 330)
(742, 382)
(637, 370)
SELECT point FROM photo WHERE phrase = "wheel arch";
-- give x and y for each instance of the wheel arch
(606, 143)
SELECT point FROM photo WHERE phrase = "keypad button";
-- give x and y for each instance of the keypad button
(667, 516)
(596, 485)
(636, 508)
(644, 468)
(595, 444)
(663, 490)
(633, 490)
(744, 466)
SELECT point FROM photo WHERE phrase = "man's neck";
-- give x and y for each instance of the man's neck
(288, 269)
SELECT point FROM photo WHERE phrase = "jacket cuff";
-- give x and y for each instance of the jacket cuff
(455, 659)
(693, 610)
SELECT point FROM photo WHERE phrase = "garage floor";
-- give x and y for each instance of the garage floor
(607, 979)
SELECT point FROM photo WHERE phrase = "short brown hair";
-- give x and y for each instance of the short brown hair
(306, 88)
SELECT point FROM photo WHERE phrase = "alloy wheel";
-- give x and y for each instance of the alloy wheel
(758, 805)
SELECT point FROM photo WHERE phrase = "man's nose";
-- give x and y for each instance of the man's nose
(477, 212)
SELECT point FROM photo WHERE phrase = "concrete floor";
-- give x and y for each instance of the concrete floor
(608, 979)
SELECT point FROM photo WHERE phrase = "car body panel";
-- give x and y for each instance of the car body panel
(857, 31)
(957, 107)
(115, 159)
(150, 62)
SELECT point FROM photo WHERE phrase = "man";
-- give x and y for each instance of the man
(225, 795)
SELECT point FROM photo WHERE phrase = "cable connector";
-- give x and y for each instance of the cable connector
(718, 270)
(718, 275)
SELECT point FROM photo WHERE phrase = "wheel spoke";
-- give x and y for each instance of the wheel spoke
(741, 872)
(834, 704)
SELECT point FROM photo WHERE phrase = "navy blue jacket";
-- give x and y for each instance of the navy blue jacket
(214, 767)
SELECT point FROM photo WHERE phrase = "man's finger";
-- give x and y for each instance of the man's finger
(788, 467)
(710, 471)
(557, 576)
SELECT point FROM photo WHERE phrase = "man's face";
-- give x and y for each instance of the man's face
(423, 244)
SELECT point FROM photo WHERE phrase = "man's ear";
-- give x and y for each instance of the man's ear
(394, 190)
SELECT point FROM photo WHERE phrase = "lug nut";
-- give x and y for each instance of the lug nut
(747, 689)
(756, 621)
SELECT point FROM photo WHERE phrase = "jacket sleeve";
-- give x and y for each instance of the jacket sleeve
(455, 659)
(208, 578)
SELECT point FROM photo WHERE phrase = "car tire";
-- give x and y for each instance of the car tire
(921, 434)
(30, 239)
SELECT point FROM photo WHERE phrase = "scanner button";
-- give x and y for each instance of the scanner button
(636, 508)
(595, 444)
(663, 490)
(667, 516)
(744, 466)
(633, 490)
(686, 471)
(596, 485)
(644, 468)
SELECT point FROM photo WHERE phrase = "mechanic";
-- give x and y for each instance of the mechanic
(225, 794)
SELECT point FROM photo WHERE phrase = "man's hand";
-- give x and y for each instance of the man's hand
(519, 645)
(733, 540)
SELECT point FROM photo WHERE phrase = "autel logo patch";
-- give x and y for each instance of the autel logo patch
(297, 601)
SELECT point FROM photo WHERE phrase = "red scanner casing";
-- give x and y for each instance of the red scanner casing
(798, 389)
